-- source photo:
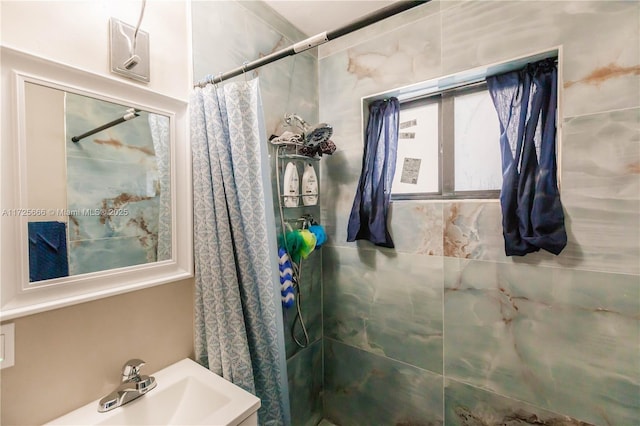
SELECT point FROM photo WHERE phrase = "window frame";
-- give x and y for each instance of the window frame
(446, 145)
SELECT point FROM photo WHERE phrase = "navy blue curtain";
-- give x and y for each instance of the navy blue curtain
(368, 219)
(526, 102)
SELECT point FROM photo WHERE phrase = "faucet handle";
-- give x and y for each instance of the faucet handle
(131, 369)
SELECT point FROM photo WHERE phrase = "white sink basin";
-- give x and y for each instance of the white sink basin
(186, 394)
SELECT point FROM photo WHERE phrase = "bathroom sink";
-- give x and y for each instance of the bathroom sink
(186, 394)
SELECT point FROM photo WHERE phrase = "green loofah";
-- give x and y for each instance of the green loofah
(300, 243)
(308, 242)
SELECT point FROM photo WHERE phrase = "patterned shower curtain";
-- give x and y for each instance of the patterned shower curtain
(235, 313)
(159, 126)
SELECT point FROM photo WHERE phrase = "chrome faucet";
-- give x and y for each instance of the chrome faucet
(133, 386)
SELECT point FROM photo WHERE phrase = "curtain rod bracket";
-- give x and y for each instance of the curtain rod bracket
(310, 42)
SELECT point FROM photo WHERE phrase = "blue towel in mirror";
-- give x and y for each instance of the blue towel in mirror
(47, 250)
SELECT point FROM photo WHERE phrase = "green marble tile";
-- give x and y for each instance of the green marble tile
(469, 406)
(305, 385)
(599, 38)
(366, 389)
(538, 334)
(385, 303)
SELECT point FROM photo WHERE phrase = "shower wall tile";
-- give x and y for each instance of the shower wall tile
(289, 86)
(222, 37)
(310, 296)
(601, 62)
(601, 190)
(366, 389)
(386, 303)
(379, 29)
(538, 334)
(302, 89)
(467, 405)
(265, 13)
(305, 385)
(229, 33)
(409, 54)
(416, 227)
(108, 253)
(473, 230)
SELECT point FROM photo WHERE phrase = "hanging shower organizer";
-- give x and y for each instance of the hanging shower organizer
(297, 151)
(295, 218)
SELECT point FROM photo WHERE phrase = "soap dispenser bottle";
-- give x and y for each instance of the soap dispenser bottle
(291, 185)
(309, 186)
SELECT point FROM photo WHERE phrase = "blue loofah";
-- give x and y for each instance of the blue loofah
(321, 235)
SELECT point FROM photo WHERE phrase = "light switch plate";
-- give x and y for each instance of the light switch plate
(7, 345)
(121, 43)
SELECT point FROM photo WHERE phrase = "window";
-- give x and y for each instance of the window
(448, 146)
(449, 138)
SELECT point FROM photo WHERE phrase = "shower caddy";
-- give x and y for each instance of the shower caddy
(296, 215)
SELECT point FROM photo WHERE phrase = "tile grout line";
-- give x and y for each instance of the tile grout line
(433, 373)
(608, 111)
(507, 261)
(444, 420)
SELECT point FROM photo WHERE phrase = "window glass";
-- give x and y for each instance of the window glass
(477, 143)
(417, 168)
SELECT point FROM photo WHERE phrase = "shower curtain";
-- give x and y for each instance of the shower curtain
(235, 313)
(159, 126)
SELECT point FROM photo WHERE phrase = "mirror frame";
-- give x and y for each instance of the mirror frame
(19, 297)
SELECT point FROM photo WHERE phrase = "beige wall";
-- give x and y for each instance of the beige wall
(46, 174)
(68, 357)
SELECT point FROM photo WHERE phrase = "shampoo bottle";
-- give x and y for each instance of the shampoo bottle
(291, 185)
(309, 186)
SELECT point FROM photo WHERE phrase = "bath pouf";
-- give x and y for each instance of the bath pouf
(308, 242)
(294, 243)
(321, 235)
(286, 279)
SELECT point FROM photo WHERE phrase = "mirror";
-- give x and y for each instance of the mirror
(99, 202)
(90, 168)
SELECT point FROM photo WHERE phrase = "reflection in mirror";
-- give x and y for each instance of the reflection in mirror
(103, 202)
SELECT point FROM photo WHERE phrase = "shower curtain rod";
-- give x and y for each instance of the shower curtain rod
(316, 40)
(130, 114)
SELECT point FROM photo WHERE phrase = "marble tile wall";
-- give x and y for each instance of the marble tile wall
(226, 34)
(446, 318)
(366, 389)
(306, 384)
(113, 193)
